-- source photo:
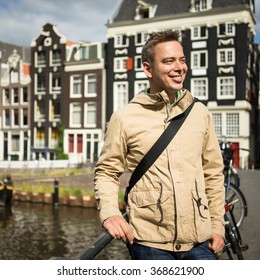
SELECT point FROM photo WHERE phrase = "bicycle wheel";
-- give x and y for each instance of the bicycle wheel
(236, 199)
(232, 244)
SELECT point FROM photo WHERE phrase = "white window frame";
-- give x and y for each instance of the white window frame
(77, 83)
(138, 63)
(6, 101)
(220, 84)
(229, 29)
(200, 5)
(92, 77)
(38, 62)
(228, 55)
(120, 64)
(196, 33)
(141, 85)
(119, 41)
(22, 110)
(90, 107)
(195, 86)
(225, 126)
(144, 37)
(196, 62)
(41, 90)
(53, 88)
(72, 111)
(55, 61)
(4, 118)
(22, 95)
(118, 91)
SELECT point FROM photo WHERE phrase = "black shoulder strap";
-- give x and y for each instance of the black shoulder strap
(157, 148)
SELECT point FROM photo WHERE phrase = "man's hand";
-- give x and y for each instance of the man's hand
(217, 243)
(118, 227)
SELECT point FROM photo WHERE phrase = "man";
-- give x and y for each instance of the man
(176, 209)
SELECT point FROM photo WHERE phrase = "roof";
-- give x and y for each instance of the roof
(7, 50)
(127, 9)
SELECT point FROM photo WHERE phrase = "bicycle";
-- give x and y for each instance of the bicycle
(234, 247)
(234, 194)
(228, 159)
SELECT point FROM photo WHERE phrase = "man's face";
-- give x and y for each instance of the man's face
(169, 69)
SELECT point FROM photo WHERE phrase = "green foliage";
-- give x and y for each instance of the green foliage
(59, 149)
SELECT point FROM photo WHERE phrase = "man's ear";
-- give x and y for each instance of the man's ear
(147, 70)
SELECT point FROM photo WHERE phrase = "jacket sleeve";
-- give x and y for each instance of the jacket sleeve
(214, 179)
(110, 166)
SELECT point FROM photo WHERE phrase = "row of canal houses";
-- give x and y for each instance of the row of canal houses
(57, 87)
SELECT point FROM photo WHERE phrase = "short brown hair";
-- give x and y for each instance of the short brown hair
(156, 38)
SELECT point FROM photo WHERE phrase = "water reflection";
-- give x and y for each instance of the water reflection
(38, 232)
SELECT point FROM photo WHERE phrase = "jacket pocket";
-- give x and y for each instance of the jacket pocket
(152, 203)
(201, 215)
(150, 213)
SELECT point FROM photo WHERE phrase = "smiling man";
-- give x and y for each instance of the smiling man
(176, 209)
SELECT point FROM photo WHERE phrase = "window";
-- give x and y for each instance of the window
(40, 83)
(232, 124)
(54, 137)
(75, 114)
(120, 94)
(226, 124)
(199, 32)
(15, 117)
(141, 85)
(226, 87)
(199, 88)
(6, 118)
(121, 41)
(40, 110)
(56, 57)
(91, 85)
(14, 76)
(55, 109)
(138, 63)
(217, 120)
(6, 94)
(226, 29)
(120, 64)
(56, 82)
(15, 96)
(200, 5)
(141, 38)
(76, 82)
(90, 114)
(24, 95)
(15, 143)
(92, 147)
(40, 59)
(40, 137)
(144, 10)
(83, 52)
(24, 113)
(226, 56)
(199, 59)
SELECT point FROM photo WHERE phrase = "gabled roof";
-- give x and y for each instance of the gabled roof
(7, 49)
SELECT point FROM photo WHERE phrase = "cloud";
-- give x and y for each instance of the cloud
(21, 20)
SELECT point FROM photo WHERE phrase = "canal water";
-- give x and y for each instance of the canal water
(31, 231)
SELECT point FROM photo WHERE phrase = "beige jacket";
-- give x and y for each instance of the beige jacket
(179, 201)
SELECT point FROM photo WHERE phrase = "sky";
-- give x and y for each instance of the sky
(21, 21)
